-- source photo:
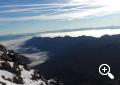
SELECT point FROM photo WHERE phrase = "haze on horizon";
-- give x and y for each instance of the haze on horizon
(28, 16)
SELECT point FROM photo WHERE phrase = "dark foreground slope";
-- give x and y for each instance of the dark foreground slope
(75, 60)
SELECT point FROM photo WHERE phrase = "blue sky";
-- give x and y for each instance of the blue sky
(22, 16)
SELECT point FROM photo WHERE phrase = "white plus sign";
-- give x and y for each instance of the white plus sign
(104, 69)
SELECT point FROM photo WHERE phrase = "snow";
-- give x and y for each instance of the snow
(26, 75)
(7, 75)
(11, 64)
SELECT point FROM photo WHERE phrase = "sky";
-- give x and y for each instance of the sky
(26, 16)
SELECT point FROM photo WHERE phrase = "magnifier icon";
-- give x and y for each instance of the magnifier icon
(104, 69)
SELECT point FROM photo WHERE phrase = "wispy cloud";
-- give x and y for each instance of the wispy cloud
(29, 5)
(28, 9)
(75, 9)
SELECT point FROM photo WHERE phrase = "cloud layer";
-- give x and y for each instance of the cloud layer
(74, 9)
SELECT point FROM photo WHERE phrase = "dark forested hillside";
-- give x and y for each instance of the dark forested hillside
(75, 60)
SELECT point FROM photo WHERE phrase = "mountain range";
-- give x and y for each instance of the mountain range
(75, 60)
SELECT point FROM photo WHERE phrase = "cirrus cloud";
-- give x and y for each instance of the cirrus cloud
(74, 9)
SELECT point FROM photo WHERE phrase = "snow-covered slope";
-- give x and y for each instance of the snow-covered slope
(8, 77)
(13, 72)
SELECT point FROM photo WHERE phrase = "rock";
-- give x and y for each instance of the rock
(14, 79)
(35, 76)
(6, 78)
(5, 57)
(26, 67)
(3, 76)
(15, 65)
(9, 79)
(2, 83)
(18, 80)
(3, 49)
(18, 72)
(16, 58)
(11, 61)
(6, 66)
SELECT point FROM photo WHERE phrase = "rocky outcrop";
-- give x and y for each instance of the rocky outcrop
(13, 71)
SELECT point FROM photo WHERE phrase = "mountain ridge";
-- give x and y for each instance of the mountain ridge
(76, 59)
